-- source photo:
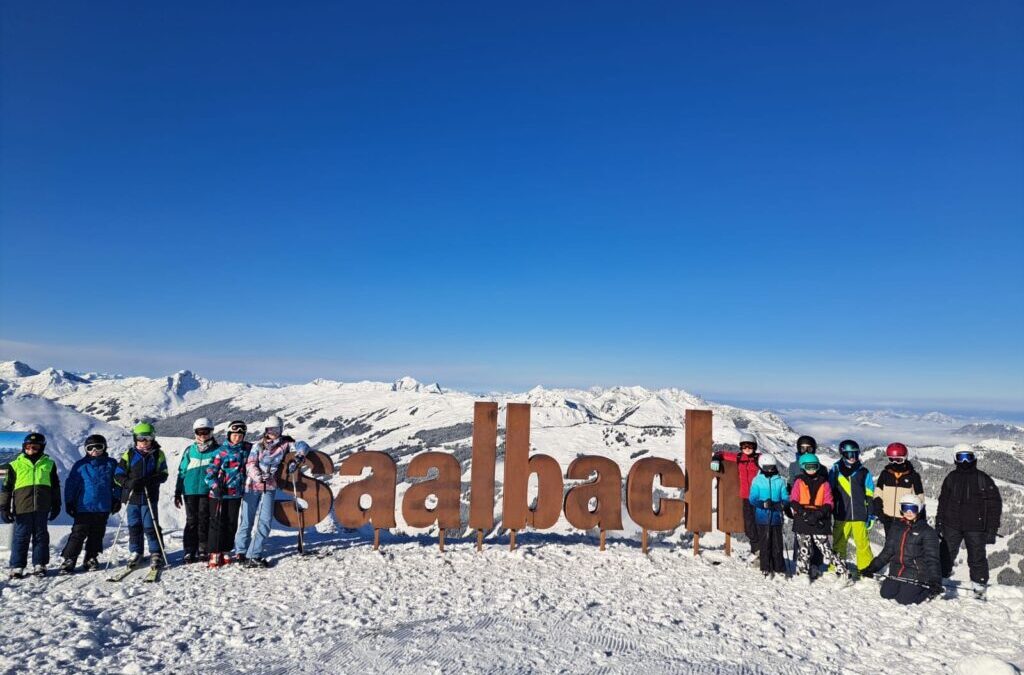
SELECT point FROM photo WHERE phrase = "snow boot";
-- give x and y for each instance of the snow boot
(91, 564)
(256, 563)
(134, 560)
(39, 571)
(156, 561)
(16, 573)
(979, 590)
(190, 558)
(67, 567)
(214, 561)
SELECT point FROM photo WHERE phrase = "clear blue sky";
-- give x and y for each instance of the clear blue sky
(811, 201)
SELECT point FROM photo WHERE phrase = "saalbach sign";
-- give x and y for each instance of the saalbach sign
(594, 504)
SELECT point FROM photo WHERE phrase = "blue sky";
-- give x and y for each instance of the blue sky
(800, 202)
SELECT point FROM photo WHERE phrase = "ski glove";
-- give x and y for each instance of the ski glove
(217, 492)
(7, 515)
(115, 506)
(935, 590)
(990, 538)
(867, 573)
(177, 501)
(54, 512)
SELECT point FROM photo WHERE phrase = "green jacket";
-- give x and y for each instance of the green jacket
(192, 469)
(31, 486)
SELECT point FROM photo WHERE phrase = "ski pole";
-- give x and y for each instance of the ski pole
(117, 535)
(156, 526)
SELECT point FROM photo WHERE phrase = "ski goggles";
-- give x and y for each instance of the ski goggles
(965, 456)
(897, 460)
(95, 447)
(204, 432)
(910, 508)
(237, 428)
(748, 446)
(145, 437)
(33, 446)
(273, 432)
(811, 468)
(850, 454)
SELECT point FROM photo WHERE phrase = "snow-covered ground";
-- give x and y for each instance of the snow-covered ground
(555, 604)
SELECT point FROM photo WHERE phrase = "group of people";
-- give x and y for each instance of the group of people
(828, 508)
(227, 491)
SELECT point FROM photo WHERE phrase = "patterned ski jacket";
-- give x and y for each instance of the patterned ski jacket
(192, 468)
(263, 462)
(225, 477)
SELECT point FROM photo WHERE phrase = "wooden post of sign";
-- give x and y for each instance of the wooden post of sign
(512, 540)
(479, 540)
(376, 538)
(696, 544)
(643, 540)
(602, 540)
(440, 539)
(728, 544)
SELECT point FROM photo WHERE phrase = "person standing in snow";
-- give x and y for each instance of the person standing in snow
(897, 479)
(853, 490)
(970, 508)
(260, 486)
(90, 496)
(29, 498)
(140, 473)
(191, 490)
(768, 497)
(912, 552)
(225, 480)
(747, 467)
(804, 445)
(811, 502)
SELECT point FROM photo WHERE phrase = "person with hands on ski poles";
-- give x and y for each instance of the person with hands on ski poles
(768, 496)
(260, 486)
(140, 473)
(747, 468)
(225, 481)
(912, 553)
(810, 501)
(90, 496)
(970, 508)
(853, 490)
(30, 498)
(191, 490)
(897, 479)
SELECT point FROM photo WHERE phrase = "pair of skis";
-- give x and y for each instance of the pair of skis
(152, 576)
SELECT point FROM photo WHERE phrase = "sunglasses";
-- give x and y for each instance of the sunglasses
(95, 447)
(204, 432)
(965, 457)
(805, 448)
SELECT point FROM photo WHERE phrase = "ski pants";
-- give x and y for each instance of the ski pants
(903, 593)
(142, 520)
(197, 524)
(89, 529)
(30, 527)
(858, 529)
(223, 522)
(258, 508)
(750, 525)
(977, 559)
(806, 545)
(770, 538)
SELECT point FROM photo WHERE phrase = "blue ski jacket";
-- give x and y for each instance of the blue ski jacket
(90, 486)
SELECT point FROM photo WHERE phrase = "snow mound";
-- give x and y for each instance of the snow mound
(984, 665)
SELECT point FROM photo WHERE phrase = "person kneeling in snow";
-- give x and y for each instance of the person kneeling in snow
(768, 496)
(912, 552)
(91, 496)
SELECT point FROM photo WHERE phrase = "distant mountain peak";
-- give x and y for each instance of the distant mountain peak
(412, 384)
(9, 369)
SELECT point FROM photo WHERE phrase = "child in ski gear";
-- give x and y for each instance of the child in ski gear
(970, 508)
(804, 445)
(897, 479)
(191, 490)
(853, 490)
(811, 503)
(90, 497)
(912, 552)
(140, 473)
(746, 465)
(225, 482)
(260, 485)
(30, 497)
(768, 497)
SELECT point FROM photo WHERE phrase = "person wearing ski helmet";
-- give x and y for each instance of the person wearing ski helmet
(261, 470)
(90, 496)
(225, 481)
(970, 508)
(140, 473)
(747, 468)
(191, 490)
(811, 503)
(912, 553)
(769, 498)
(853, 491)
(30, 498)
(897, 479)
(804, 445)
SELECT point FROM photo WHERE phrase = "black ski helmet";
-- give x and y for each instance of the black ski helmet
(34, 438)
(804, 442)
(95, 439)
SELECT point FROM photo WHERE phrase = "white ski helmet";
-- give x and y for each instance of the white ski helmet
(202, 423)
(912, 499)
(766, 460)
(748, 438)
(273, 422)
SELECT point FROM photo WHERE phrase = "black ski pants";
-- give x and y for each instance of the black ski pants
(750, 526)
(223, 523)
(977, 558)
(903, 593)
(770, 538)
(89, 529)
(197, 524)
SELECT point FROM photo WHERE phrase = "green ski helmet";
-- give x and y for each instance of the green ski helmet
(808, 459)
(143, 429)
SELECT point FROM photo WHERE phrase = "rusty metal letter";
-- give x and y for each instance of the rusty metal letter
(607, 488)
(446, 487)
(698, 471)
(516, 513)
(309, 489)
(379, 485)
(640, 494)
(485, 441)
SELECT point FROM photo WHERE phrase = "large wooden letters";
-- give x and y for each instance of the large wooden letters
(516, 512)
(379, 485)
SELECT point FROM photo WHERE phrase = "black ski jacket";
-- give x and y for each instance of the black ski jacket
(969, 501)
(912, 552)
